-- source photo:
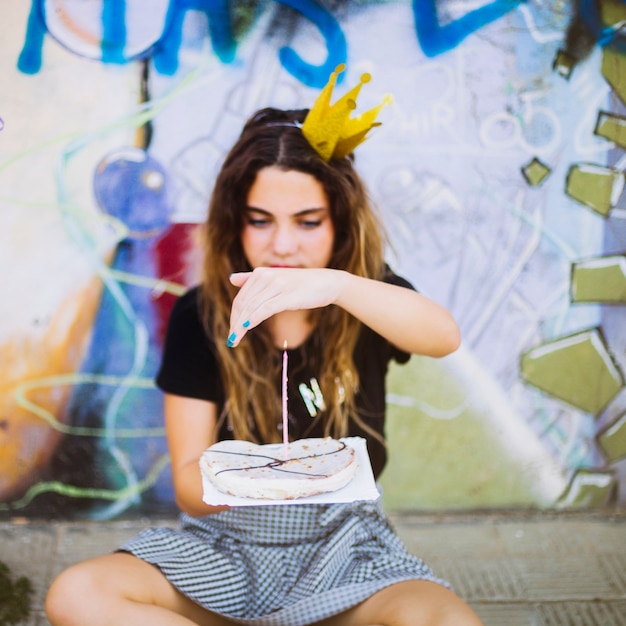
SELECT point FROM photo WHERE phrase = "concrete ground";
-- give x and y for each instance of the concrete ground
(515, 569)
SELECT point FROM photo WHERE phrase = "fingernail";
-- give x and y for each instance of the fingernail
(246, 324)
(231, 340)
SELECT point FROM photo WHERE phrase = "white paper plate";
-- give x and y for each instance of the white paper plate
(361, 487)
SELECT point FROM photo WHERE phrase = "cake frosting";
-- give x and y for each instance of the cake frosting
(249, 470)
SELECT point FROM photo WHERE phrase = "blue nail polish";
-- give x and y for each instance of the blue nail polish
(246, 324)
(231, 340)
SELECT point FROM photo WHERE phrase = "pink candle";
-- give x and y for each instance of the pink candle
(285, 414)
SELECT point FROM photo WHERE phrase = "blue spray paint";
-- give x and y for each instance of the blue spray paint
(165, 52)
(114, 34)
(312, 75)
(114, 31)
(113, 40)
(436, 39)
(29, 61)
(224, 45)
(220, 31)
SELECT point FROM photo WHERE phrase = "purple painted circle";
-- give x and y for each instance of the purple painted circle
(132, 186)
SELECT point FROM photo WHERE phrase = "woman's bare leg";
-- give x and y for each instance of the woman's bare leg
(409, 603)
(120, 589)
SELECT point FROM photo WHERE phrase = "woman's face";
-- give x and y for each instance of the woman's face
(287, 221)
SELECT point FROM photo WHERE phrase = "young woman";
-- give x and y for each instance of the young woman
(294, 254)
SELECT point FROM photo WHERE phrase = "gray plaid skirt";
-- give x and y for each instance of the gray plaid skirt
(281, 565)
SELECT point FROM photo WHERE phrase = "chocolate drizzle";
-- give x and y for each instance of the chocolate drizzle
(276, 464)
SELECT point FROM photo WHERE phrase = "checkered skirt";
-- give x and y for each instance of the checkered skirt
(281, 565)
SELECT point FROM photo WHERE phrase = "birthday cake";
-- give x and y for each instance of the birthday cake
(249, 470)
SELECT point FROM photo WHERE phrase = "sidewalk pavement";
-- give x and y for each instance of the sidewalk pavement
(515, 568)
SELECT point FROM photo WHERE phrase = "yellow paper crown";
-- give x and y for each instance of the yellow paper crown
(330, 130)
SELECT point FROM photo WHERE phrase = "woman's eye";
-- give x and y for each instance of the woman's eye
(258, 222)
(310, 223)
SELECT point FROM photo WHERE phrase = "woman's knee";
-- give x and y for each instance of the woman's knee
(92, 586)
(70, 595)
(435, 605)
(409, 603)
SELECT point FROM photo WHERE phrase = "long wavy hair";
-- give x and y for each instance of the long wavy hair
(273, 138)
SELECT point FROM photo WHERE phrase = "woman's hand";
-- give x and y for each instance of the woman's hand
(267, 291)
(190, 425)
(406, 318)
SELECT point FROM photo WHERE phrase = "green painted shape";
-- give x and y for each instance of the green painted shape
(602, 280)
(612, 12)
(588, 488)
(614, 70)
(454, 460)
(613, 440)
(611, 127)
(535, 172)
(594, 186)
(576, 369)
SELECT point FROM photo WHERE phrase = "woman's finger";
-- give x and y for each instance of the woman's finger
(267, 291)
(238, 279)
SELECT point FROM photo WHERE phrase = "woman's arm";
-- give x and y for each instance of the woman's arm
(407, 319)
(190, 427)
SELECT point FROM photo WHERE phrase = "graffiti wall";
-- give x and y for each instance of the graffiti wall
(499, 173)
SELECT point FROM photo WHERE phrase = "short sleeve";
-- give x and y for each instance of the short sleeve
(189, 366)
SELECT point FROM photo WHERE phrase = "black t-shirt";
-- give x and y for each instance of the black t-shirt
(190, 368)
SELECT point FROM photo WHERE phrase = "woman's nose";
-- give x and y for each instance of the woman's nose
(284, 241)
